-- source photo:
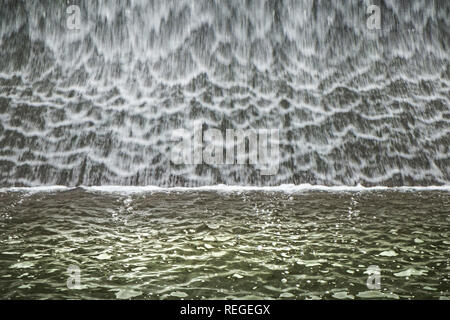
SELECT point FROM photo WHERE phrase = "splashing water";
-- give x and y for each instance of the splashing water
(97, 106)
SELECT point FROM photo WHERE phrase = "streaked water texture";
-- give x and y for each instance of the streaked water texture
(224, 244)
(97, 106)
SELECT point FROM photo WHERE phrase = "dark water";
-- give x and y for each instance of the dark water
(200, 244)
(98, 105)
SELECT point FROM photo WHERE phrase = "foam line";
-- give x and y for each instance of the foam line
(285, 188)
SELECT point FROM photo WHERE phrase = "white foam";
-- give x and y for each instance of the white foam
(35, 189)
(285, 188)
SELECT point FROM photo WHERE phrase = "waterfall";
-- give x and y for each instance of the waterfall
(97, 104)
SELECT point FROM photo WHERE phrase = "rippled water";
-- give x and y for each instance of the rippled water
(98, 106)
(213, 244)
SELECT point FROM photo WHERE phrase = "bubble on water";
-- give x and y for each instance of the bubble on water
(209, 238)
(25, 286)
(10, 252)
(218, 254)
(312, 263)
(179, 294)
(139, 269)
(342, 295)
(23, 265)
(411, 272)
(127, 294)
(389, 253)
(286, 295)
(375, 294)
(103, 256)
(429, 288)
(33, 255)
(127, 201)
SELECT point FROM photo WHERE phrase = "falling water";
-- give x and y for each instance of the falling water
(97, 106)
